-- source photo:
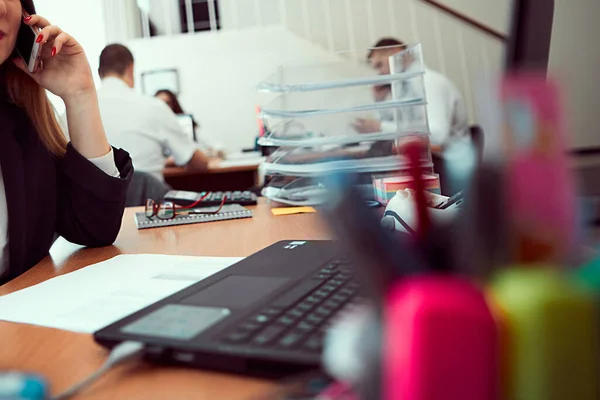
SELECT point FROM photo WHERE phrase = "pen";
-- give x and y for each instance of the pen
(260, 122)
(413, 152)
(481, 233)
(551, 334)
(540, 184)
(380, 258)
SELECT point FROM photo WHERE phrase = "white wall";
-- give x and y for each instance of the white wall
(219, 73)
(493, 13)
(121, 19)
(575, 58)
(241, 14)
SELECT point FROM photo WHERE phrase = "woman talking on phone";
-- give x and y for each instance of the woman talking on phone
(49, 187)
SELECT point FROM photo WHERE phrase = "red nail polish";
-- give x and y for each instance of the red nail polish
(53, 51)
(27, 19)
(39, 39)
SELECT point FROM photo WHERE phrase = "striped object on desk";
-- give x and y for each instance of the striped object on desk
(229, 211)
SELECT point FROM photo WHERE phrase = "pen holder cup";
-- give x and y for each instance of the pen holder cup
(551, 338)
(441, 342)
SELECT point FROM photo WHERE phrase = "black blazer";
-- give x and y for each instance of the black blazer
(47, 195)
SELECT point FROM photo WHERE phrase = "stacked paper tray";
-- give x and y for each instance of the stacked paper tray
(308, 191)
(371, 157)
(331, 118)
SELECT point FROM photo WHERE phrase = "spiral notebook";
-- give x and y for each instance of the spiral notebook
(229, 211)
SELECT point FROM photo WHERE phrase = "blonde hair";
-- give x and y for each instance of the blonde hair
(27, 94)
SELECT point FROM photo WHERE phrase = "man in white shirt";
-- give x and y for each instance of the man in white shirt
(445, 109)
(143, 125)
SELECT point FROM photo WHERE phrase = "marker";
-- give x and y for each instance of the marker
(440, 341)
(374, 253)
(551, 335)
(539, 181)
(413, 152)
(481, 232)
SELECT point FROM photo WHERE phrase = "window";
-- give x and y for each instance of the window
(202, 15)
(162, 17)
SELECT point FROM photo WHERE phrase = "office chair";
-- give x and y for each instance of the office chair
(144, 186)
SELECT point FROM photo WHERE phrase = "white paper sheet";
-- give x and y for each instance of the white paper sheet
(249, 155)
(93, 297)
(242, 162)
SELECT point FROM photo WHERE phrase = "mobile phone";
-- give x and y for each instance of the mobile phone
(27, 48)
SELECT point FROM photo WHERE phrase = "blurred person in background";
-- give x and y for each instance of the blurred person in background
(172, 101)
(143, 125)
(49, 186)
(446, 111)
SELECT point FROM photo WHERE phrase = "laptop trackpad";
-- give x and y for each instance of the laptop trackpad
(235, 291)
(175, 321)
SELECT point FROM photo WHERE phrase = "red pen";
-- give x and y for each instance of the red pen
(413, 152)
(260, 122)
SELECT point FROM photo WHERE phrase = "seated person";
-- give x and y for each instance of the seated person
(142, 125)
(47, 185)
(445, 109)
(171, 100)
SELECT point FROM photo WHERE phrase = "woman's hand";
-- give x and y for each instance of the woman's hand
(66, 71)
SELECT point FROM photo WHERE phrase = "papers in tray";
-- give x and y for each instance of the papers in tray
(366, 107)
(98, 295)
(351, 138)
(370, 165)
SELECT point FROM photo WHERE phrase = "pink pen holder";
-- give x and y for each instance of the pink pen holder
(440, 342)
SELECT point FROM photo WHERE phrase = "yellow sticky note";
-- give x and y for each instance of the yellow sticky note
(292, 210)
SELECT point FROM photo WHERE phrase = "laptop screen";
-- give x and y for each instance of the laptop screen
(187, 124)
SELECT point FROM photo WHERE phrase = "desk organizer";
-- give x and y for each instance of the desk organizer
(312, 119)
(386, 186)
(550, 335)
(440, 341)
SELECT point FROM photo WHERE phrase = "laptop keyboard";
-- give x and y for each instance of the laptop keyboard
(299, 319)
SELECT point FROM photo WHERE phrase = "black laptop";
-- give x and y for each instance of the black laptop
(266, 315)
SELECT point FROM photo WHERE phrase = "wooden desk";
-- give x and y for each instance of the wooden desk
(217, 178)
(65, 357)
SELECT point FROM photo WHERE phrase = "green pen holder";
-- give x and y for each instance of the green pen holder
(589, 275)
(551, 335)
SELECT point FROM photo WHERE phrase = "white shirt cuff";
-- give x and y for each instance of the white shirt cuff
(107, 164)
